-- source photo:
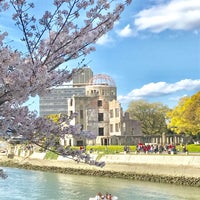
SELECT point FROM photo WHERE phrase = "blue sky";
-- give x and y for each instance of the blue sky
(153, 52)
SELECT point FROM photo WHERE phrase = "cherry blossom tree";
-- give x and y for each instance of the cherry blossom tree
(67, 31)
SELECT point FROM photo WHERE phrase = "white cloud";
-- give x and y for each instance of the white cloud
(105, 39)
(160, 89)
(177, 98)
(126, 31)
(175, 15)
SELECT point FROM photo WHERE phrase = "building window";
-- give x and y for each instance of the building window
(99, 103)
(111, 128)
(111, 113)
(79, 143)
(81, 114)
(81, 127)
(101, 132)
(116, 112)
(112, 92)
(100, 117)
(117, 127)
(71, 102)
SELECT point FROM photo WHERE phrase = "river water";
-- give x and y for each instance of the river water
(35, 185)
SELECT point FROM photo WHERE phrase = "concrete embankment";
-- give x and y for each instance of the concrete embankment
(174, 169)
(169, 165)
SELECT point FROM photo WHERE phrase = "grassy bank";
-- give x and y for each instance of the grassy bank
(115, 149)
(193, 148)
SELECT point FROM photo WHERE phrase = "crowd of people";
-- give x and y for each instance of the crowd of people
(158, 148)
(155, 148)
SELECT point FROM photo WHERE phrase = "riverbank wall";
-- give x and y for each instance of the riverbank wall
(173, 169)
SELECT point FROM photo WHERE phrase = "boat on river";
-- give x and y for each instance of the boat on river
(107, 196)
(113, 198)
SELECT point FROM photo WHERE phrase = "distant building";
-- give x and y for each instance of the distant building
(82, 77)
(94, 98)
(56, 100)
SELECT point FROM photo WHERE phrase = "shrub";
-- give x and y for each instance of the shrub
(111, 149)
(51, 155)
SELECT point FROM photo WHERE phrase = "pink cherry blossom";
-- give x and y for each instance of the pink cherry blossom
(67, 32)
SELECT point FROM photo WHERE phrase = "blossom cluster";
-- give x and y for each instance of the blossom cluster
(67, 31)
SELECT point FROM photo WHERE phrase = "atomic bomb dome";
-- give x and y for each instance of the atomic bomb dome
(102, 79)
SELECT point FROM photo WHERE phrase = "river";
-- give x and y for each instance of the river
(35, 185)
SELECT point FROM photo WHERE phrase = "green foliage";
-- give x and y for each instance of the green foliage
(195, 148)
(111, 149)
(151, 115)
(185, 117)
(114, 149)
(192, 148)
(51, 155)
(54, 117)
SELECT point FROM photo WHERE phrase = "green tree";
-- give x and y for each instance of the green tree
(152, 116)
(54, 117)
(185, 117)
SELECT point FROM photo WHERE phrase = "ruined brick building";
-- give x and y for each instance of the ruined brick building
(94, 98)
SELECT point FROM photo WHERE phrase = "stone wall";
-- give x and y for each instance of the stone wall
(173, 169)
(175, 160)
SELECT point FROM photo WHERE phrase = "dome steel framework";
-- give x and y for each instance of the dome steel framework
(102, 79)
